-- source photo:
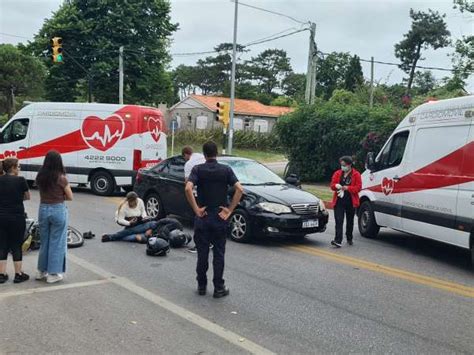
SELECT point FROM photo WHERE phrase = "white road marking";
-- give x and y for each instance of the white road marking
(31, 291)
(211, 327)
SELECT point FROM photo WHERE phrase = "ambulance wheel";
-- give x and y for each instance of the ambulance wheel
(367, 225)
(102, 183)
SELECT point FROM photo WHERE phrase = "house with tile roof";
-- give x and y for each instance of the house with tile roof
(198, 112)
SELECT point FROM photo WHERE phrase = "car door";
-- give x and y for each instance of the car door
(176, 202)
(14, 138)
(390, 168)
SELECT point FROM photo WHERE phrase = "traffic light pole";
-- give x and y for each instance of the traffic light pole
(121, 75)
(230, 132)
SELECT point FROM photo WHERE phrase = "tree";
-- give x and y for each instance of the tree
(185, 80)
(464, 5)
(428, 29)
(268, 69)
(424, 82)
(92, 32)
(294, 86)
(332, 71)
(354, 77)
(463, 58)
(20, 74)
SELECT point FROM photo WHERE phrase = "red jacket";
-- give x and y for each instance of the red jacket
(354, 188)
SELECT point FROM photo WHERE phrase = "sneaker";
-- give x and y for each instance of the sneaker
(192, 250)
(350, 242)
(3, 278)
(19, 278)
(106, 238)
(221, 293)
(202, 290)
(53, 278)
(41, 275)
(336, 244)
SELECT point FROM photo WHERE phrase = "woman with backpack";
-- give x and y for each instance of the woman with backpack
(132, 215)
(54, 190)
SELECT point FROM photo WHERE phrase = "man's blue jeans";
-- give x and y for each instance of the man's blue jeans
(130, 234)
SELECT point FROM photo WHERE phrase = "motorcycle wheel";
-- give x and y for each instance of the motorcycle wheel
(74, 238)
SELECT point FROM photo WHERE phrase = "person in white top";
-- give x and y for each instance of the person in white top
(192, 159)
(132, 215)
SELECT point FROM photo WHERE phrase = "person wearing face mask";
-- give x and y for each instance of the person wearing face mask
(346, 184)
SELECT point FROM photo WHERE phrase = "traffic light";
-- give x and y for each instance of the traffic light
(57, 46)
(222, 113)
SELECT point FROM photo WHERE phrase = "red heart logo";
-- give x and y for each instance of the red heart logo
(387, 186)
(102, 134)
(155, 128)
(8, 154)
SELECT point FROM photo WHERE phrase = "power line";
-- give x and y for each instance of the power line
(12, 35)
(272, 12)
(274, 38)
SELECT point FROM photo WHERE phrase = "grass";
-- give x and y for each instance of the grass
(319, 190)
(260, 156)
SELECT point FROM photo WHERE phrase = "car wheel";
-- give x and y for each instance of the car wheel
(472, 250)
(367, 225)
(153, 206)
(102, 183)
(240, 229)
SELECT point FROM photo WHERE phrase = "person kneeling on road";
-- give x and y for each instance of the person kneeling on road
(132, 215)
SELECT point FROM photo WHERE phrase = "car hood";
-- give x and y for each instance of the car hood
(284, 194)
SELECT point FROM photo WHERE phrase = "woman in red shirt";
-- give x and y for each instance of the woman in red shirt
(346, 184)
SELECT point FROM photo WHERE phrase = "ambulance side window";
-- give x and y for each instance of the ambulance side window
(15, 131)
(392, 154)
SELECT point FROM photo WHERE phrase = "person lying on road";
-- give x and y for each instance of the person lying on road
(132, 215)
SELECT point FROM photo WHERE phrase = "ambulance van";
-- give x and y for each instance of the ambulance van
(422, 180)
(103, 145)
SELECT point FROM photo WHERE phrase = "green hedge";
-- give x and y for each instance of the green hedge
(314, 137)
(242, 139)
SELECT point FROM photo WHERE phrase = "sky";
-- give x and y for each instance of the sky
(365, 28)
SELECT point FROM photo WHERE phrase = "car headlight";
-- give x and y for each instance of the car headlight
(274, 207)
(322, 207)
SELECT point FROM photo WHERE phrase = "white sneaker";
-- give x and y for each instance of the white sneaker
(53, 278)
(41, 275)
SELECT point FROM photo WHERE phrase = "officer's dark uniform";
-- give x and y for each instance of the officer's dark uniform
(212, 181)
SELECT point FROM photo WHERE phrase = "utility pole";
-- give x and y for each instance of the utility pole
(230, 131)
(311, 71)
(371, 101)
(121, 75)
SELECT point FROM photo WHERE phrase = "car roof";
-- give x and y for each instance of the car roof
(222, 158)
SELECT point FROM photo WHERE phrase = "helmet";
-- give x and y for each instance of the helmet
(157, 247)
(178, 238)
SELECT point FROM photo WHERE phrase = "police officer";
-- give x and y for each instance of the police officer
(212, 213)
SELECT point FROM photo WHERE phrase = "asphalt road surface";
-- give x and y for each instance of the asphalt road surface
(396, 294)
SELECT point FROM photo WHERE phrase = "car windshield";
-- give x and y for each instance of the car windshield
(252, 173)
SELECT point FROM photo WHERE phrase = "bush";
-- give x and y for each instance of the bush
(3, 119)
(314, 137)
(242, 139)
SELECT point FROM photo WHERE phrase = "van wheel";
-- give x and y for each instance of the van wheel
(102, 183)
(153, 206)
(240, 228)
(367, 225)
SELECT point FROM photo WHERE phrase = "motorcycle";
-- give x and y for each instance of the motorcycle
(32, 240)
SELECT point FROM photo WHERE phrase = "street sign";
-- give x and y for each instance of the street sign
(174, 125)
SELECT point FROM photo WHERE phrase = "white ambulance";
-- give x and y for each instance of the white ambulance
(422, 181)
(101, 144)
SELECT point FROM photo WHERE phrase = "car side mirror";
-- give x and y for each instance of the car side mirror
(370, 163)
(293, 179)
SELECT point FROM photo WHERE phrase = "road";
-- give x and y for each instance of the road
(396, 294)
